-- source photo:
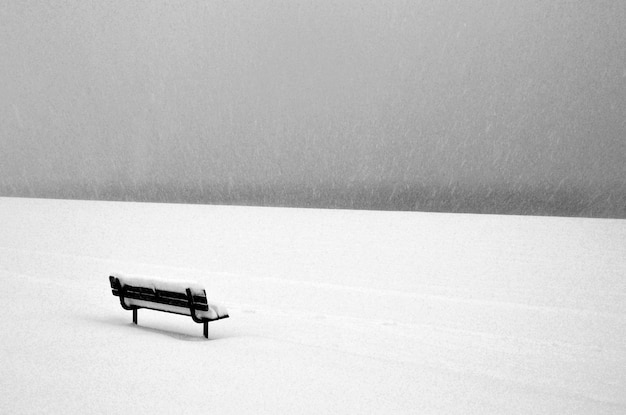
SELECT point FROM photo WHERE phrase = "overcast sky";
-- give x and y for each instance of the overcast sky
(493, 92)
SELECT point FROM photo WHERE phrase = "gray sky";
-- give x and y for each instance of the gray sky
(491, 92)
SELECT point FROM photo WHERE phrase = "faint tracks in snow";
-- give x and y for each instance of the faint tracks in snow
(429, 296)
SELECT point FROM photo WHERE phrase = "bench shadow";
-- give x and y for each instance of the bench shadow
(118, 322)
(172, 334)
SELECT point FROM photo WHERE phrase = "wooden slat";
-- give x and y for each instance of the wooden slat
(160, 293)
(140, 290)
(146, 296)
(172, 294)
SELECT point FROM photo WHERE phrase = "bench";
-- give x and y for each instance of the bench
(178, 297)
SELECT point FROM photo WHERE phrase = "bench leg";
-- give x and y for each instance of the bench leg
(206, 329)
(135, 315)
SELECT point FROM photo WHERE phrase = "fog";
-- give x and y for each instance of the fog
(482, 106)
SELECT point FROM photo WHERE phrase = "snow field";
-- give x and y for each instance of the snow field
(331, 311)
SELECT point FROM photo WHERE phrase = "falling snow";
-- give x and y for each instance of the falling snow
(487, 107)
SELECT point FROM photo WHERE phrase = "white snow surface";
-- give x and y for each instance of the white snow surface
(331, 311)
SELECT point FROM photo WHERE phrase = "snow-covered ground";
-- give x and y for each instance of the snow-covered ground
(330, 311)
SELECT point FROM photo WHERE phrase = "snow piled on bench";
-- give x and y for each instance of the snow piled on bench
(215, 311)
(157, 283)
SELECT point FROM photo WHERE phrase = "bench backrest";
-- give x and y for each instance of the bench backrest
(159, 294)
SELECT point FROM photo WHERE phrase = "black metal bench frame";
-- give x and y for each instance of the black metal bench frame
(193, 302)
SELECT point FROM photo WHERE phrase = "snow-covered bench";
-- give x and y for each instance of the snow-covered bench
(178, 297)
